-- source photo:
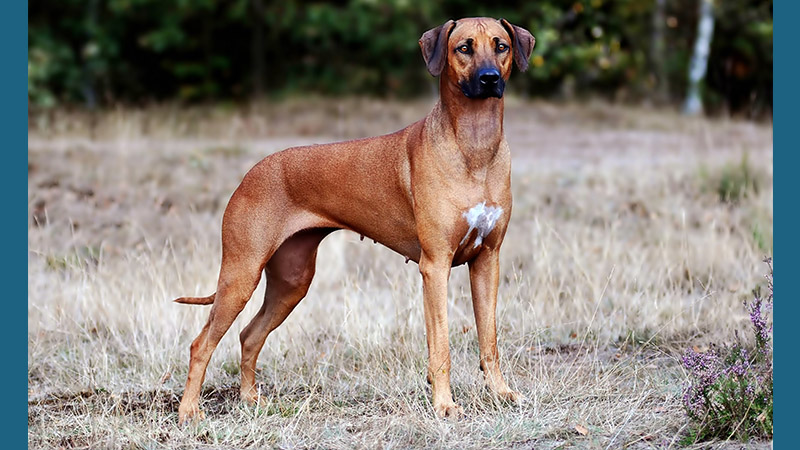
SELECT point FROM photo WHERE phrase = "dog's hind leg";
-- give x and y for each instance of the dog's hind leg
(289, 274)
(244, 255)
(232, 295)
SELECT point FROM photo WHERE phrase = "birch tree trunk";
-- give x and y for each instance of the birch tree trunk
(697, 68)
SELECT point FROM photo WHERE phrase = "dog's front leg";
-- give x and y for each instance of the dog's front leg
(435, 273)
(484, 276)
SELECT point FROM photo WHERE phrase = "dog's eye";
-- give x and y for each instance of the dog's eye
(501, 48)
(463, 49)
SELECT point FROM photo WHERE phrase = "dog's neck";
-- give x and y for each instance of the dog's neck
(476, 124)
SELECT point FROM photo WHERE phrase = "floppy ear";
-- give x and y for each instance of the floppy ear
(523, 43)
(434, 47)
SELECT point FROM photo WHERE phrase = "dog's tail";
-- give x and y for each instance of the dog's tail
(197, 300)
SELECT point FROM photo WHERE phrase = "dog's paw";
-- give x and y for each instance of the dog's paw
(191, 413)
(509, 396)
(255, 400)
(449, 411)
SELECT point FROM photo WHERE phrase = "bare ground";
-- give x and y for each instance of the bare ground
(620, 255)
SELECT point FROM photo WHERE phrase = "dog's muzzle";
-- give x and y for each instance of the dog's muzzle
(484, 83)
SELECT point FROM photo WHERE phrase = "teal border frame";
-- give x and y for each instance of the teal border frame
(14, 124)
(785, 160)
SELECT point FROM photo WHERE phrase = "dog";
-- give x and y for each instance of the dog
(437, 192)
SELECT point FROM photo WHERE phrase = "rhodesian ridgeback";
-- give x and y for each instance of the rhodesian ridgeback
(437, 192)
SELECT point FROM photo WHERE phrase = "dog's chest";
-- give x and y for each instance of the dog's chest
(481, 220)
(477, 227)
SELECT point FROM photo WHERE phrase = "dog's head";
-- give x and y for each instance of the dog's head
(476, 53)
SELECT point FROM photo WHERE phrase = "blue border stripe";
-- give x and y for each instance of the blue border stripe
(14, 123)
(785, 125)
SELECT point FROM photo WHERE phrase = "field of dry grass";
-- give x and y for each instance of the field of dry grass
(619, 255)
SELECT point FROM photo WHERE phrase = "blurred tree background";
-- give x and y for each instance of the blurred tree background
(103, 52)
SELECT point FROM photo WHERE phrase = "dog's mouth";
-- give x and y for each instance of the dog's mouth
(484, 83)
(482, 93)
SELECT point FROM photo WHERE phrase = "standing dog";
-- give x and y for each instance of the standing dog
(437, 192)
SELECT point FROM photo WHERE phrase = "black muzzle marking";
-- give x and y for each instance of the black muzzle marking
(486, 82)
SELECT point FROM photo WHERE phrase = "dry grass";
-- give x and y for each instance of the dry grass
(619, 255)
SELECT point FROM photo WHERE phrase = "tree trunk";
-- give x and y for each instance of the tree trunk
(88, 83)
(697, 68)
(657, 54)
(257, 48)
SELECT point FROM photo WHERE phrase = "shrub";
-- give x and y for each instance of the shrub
(729, 392)
(733, 182)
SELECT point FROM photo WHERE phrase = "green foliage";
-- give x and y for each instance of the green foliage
(103, 51)
(231, 367)
(80, 259)
(762, 235)
(740, 52)
(733, 182)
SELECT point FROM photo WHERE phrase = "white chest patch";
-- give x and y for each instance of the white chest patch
(483, 219)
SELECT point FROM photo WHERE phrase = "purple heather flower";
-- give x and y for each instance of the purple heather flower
(703, 366)
(725, 382)
(739, 369)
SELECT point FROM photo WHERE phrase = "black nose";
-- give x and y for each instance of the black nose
(489, 76)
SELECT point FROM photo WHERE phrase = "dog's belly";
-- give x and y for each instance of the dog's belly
(406, 246)
(394, 229)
